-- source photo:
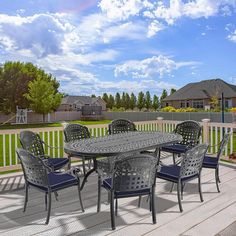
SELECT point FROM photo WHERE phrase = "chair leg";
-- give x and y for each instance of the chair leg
(46, 201)
(83, 163)
(152, 200)
(116, 207)
(182, 190)
(217, 180)
(112, 210)
(56, 195)
(139, 201)
(26, 196)
(174, 158)
(80, 198)
(200, 187)
(99, 194)
(179, 197)
(49, 207)
(218, 174)
(172, 187)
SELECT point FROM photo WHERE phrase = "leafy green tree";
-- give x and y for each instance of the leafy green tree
(172, 91)
(141, 101)
(42, 96)
(148, 100)
(93, 96)
(127, 101)
(133, 101)
(117, 101)
(163, 95)
(14, 79)
(156, 103)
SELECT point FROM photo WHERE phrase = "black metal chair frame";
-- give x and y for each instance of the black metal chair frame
(191, 132)
(121, 125)
(130, 175)
(191, 166)
(74, 132)
(36, 174)
(32, 142)
(221, 147)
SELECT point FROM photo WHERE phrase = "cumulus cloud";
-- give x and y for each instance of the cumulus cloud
(149, 67)
(232, 36)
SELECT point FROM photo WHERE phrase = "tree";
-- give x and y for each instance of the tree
(14, 79)
(148, 101)
(163, 95)
(127, 101)
(105, 98)
(172, 91)
(155, 103)
(111, 101)
(123, 100)
(133, 101)
(141, 101)
(117, 101)
(93, 96)
(42, 96)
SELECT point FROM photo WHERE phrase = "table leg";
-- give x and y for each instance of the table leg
(89, 173)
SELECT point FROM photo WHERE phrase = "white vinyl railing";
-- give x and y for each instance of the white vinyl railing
(53, 136)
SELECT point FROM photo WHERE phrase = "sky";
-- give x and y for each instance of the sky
(109, 46)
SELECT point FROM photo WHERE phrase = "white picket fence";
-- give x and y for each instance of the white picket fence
(53, 136)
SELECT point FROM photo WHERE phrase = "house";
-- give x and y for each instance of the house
(79, 103)
(200, 94)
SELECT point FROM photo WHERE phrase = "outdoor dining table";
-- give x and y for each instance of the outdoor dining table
(117, 144)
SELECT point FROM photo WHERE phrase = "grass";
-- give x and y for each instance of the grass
(56, 124)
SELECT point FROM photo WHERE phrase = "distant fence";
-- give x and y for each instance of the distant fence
(178, 116)
(53, 136)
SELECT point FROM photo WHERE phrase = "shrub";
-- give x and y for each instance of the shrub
(168, 109)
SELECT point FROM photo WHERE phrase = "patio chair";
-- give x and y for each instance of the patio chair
(32, 142)
(189, 169)
(212, 162)
(73, 132)
(130, 176)
(121, 125)
(39, 175)
(190, 131)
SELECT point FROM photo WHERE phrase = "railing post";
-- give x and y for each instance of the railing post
(160, 123)
(206, 130)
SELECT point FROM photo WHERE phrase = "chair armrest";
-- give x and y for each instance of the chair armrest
(51, 146)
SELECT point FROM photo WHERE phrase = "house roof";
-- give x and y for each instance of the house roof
(79, 99)
(203, 90)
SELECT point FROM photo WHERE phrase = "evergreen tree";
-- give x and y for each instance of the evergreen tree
(156, 103)
(163, 95)
(148, 101)
(111, 101)
(141, 101)
(117, 100)
(123, 100)
(172, 91)
(105, 98)
(127, 101)
(133, 101)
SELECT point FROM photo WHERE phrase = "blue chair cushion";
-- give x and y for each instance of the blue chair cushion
(172, 173)
(107, 185)
(210, 162)
(57, 163)
(58, 181)
(175, 148)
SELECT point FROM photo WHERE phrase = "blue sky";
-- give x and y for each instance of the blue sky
(111, 46)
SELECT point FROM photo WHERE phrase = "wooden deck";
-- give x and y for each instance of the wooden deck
(208, 218)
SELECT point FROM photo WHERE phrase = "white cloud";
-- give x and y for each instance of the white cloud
(153, 28)
(232, 36)
(149, 67)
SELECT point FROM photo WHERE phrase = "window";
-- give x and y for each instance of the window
(198, 104)
(228, 103)
(167, 104)
(182, 104)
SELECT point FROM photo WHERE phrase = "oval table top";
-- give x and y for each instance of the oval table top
(120, 143)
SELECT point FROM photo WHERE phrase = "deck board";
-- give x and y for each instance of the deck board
(67, 219)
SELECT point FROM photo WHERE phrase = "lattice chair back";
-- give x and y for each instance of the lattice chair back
(192, 161)
(134, 173)
(31, 142)
(190, 131)
(223, 144)
(33, 167)
(121, 125)
(74, 132)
